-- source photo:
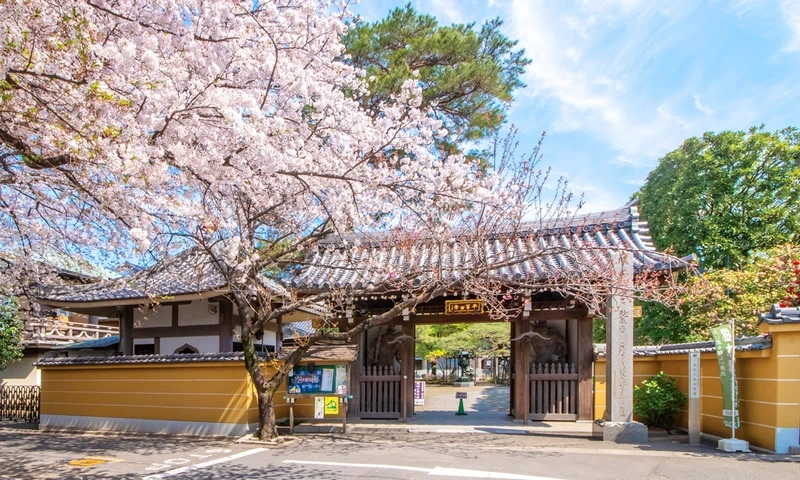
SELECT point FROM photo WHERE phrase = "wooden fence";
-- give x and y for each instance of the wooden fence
(553, 392)
(380, 393)
(20, 402)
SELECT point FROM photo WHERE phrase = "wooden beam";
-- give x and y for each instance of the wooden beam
(354, 386)
(186, 331)
(126, 331)
(522, 367)
(408, 367)
(512, 368)
(442, 318)
(225, 326)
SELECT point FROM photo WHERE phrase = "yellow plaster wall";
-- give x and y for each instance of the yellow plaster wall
(769, 387)
(203, 392)
(219, 392)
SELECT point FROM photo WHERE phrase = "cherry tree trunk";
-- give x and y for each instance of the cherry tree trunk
(267, 428)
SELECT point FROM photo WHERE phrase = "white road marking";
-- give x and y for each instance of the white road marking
(457, 472)
(437, 471)
(360, 465)
(209, 463)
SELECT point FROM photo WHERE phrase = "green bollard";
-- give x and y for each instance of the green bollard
(461, 407)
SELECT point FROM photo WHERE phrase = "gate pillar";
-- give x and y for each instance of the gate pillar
(521, 370)
(407, 367)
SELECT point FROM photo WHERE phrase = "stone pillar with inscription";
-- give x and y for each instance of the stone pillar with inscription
(618, 425)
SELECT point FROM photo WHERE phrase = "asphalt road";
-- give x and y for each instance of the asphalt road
(385, 455)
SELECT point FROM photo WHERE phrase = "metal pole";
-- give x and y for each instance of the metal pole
(405, 400)
(344, 415)
(291, 416)
(733, 381)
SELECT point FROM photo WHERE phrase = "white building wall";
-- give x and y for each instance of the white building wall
(206, 344)
(270, 338)
(159, 316)
(199, 312)
(22, 372)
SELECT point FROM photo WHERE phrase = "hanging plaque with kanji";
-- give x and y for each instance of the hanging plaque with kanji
(459, 307)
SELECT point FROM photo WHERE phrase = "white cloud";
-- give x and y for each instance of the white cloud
(790, 11)
(700, 106)
(449, 9)
(592, 73)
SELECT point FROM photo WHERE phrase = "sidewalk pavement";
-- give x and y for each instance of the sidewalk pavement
(486, 410)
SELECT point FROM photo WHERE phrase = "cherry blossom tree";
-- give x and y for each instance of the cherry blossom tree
(235, 128)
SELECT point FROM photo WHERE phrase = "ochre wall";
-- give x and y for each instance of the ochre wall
(769, 387)
(218, 392)
(201, 392)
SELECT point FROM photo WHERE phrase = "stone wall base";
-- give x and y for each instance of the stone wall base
(620, 432)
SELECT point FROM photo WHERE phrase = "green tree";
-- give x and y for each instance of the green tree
(768, 278)
(449, 340)
(725, 196)
(11, 329)
(468, 76)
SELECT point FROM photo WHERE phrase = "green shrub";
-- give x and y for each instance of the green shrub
(657, 400)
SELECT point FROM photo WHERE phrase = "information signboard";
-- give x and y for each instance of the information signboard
(461, 395)
(320, 379)
(419, 393)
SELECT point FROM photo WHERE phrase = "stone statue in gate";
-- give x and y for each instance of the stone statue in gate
(386, 349)
(545, 344)
(552, 350)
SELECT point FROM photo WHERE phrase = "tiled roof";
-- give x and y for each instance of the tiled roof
(317, 353)
(104, 342)
(297, 329)
(188, 272)
(778, 315)
(325, 353)
(593, 237)
(744, 344)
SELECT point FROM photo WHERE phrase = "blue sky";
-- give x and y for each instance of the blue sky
(616, 84)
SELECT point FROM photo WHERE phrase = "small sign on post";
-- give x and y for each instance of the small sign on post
(419, 393)
(461, 396)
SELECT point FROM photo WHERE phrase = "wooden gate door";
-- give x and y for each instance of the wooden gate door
(553, 392)
(380, 393)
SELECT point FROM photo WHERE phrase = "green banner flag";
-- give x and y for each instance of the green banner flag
(723, 342)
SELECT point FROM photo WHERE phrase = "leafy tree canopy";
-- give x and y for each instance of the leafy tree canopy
(11, 328)
(717, 296)
(467, 76)
(725, 196)
(434, 341)
(769, 278)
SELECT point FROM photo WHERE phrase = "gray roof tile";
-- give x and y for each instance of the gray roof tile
(191, 271)
(743, 344)
(778, 315)
(593, 237)
(317, 353)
